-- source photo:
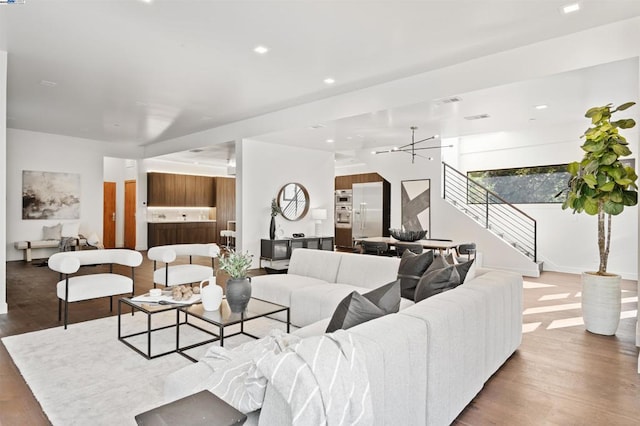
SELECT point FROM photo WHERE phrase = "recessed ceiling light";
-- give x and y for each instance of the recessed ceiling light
(48, 83)
(329, 80)
(477, 117)
(349, 138)
(570, 8)
(196, 150)
(330, 141)
(542, 106)
(450, 100)
(146, 1)
(261, 50)
(316, 126)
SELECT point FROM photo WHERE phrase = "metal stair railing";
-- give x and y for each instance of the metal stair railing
(490, 211)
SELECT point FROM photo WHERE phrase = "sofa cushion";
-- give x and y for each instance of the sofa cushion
(437, 281)
(363, 270)
(277, 288)
(319, 264)
(411, 268)
(356, 308)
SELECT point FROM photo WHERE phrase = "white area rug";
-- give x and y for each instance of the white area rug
(85, 376)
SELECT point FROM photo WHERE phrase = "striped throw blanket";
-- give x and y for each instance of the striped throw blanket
(323, 379)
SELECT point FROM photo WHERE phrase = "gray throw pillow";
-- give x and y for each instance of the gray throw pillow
(439, 262)
(357, 308)
(437, 281)
(411, 268)
(51, 232)
(463, 269)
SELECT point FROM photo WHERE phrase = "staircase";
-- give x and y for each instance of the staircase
(490, 211)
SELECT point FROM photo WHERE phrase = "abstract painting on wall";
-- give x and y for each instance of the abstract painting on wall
(416, 203)
(50, 195)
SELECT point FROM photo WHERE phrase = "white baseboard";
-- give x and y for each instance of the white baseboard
(4, 308)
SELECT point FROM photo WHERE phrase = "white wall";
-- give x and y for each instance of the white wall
(55, 153)
(3, 180)
(262, 169)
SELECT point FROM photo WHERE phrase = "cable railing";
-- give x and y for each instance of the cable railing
(490, 211)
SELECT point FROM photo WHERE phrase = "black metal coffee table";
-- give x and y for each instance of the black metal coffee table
(223, 318)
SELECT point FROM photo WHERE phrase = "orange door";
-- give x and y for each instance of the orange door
(109, 215)
(130, 214)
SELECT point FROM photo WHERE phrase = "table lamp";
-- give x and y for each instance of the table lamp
(319, 215)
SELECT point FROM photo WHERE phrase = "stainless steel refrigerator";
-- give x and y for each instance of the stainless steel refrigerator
(371, 212)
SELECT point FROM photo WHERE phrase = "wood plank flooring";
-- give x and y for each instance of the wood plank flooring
(560, 375)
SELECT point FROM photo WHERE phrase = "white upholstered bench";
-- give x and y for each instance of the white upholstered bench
(176, 274)
(28, 245)
(92, 286)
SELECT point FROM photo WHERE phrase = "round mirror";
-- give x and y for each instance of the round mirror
(293, 200)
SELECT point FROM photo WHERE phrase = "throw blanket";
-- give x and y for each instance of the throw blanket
(66, 243)
(323, 379)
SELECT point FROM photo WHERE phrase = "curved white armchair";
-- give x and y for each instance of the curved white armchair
(175, 274)
(92, 286)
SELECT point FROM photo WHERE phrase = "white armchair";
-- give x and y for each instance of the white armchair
(176, 274)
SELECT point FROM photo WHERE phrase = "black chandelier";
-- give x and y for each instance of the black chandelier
(410, 148)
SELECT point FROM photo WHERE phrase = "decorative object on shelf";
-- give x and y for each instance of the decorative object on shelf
(211, 294)
(601, 185)
(402, 235)
(293, 201)
(319, 215)
(239, 284)
(275, 209)
(411, 147)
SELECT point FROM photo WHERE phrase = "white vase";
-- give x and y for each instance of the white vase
(211, 295)
(601, 303)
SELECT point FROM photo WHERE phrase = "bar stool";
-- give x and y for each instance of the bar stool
(228, 235)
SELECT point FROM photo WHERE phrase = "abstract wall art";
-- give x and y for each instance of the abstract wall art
(416, 205)
(50, 195)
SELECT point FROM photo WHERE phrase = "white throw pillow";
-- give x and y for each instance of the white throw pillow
(51, 232)
(70, 229)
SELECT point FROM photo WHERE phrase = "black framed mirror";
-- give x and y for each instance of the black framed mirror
(293, 200)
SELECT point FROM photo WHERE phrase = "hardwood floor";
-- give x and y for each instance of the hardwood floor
(560, 375)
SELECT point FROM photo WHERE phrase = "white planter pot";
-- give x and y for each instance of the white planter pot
(601, 303)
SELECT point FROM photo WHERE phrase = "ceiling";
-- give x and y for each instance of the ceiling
(141, 72)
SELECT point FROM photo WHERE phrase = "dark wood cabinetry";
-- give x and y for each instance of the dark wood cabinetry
(172, 190)
(343, 237)
(225, 189)
(347, 181)
(160, 234)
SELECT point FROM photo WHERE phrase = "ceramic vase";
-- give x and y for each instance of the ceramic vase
(272, 228)
(211, 295)
(238, 293)
(601, 303)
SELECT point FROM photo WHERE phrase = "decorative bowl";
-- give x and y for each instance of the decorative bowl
(401, 235)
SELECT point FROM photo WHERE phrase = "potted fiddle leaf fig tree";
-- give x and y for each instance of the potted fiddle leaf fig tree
(602, 185)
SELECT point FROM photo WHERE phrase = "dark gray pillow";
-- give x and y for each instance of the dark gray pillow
(463, 269)
(439, 262)
(358, 308)
(437, 281)
(411, 268)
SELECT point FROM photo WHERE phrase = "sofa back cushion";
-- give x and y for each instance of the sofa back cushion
(363, 270)
(320, 264)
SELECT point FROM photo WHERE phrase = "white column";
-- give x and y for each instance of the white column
(3, 182)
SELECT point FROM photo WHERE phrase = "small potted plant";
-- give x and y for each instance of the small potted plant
(237, 265)
(602, 185)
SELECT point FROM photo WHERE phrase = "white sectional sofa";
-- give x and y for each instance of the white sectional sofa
(424, 364)
(318, 280)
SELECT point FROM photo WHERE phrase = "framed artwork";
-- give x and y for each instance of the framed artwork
(50, 195)
(416, 205)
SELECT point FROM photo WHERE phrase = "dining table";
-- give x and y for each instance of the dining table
(441, 245)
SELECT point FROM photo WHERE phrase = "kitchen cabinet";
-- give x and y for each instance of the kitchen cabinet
(225, 189)
(159, 234)
(173, 190)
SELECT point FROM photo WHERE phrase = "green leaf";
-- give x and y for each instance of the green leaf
(624, 182)
(621, 150)
(573, 168)
(624, 106)
(608, 158)
(608, 187)
(591, 206)
(592, 111)
(590, 180)
(616, 196)
(593, 146)
(626, 124)
(629, 198)
(613, 208)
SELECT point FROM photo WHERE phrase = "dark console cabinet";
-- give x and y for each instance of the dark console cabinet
(273, 250)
